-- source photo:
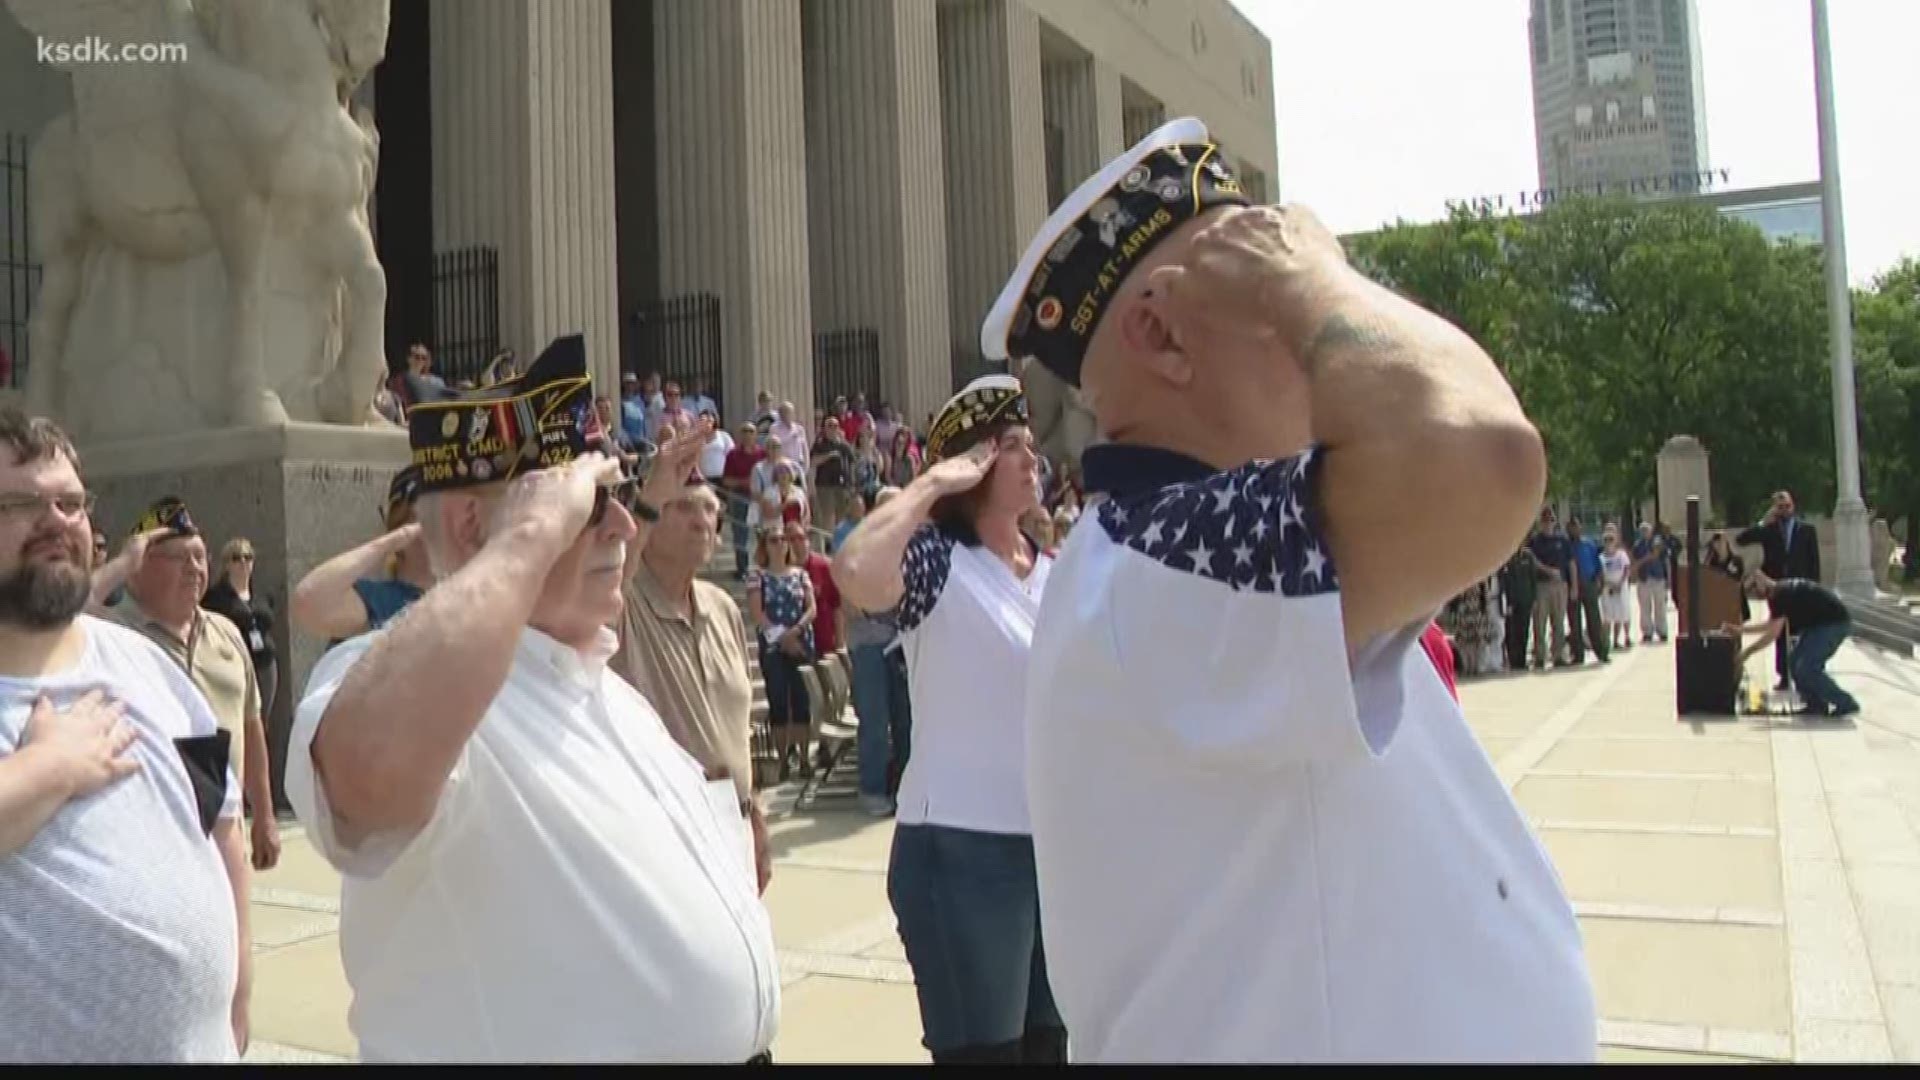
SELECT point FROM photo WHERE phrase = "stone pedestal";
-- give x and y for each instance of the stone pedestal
(1851, 570)
(1681, 470)
(302, 494)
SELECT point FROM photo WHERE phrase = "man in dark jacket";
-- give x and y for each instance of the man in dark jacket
(1518, 585)
(1789, 549)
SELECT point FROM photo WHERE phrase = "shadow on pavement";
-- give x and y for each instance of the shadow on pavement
(792, 830)
(1503, 676)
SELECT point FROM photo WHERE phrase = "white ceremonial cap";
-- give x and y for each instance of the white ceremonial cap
(1075, 263)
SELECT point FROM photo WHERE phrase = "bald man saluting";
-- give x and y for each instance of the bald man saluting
(1262, 828)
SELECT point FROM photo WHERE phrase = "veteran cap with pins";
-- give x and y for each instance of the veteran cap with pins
(1061, 287)
(539, 419)
(400, 492)
(168, 513)
(971, 413)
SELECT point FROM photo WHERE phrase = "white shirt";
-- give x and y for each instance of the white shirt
(759, 482)
(713, 456)
(582, 892)
(966, 626)
(792, 438)
(1614, 564)
(1248, 849)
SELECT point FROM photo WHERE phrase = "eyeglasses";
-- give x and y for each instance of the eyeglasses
(240, 556)
(19, 506)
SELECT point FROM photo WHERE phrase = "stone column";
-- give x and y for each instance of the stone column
(733, 184)
(1083, 98)
(995, 157)
(523, 162)
(877, 227)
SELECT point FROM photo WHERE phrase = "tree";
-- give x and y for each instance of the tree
(1461, 267)
(1887, 364)
(1622, 324)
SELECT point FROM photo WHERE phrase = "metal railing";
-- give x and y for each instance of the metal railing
(969, 364)
(845, 363)
(678, 338)
(822, 538)
(19, 274)
(466, 312)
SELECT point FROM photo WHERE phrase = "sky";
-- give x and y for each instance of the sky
(1388, 109)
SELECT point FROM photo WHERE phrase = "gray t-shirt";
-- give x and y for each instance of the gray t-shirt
(117, 933)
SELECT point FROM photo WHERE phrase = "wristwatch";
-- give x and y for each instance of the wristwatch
(644, 510)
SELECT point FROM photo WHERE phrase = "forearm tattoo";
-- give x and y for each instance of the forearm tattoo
(1340, 333)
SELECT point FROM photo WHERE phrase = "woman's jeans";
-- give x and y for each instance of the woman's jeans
(880, 700)
(968, 906)
(1811, 651)
(786, 692)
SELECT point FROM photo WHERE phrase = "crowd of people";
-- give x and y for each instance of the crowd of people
(1570, 596)
(1171, 783)
(1563, 596)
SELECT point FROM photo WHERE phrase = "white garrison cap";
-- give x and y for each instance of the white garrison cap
(1060, 289)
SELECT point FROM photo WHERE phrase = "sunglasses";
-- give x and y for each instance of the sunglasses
(625, 491)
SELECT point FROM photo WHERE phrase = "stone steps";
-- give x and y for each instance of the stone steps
(1890, 626)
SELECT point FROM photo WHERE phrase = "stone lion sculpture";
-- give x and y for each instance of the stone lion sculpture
(203, 223)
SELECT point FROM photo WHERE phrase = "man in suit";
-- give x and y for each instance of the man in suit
(1789, 549)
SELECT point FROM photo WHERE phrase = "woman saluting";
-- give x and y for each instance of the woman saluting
(947, 562)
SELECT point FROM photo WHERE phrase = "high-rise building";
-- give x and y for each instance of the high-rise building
(1619, 103)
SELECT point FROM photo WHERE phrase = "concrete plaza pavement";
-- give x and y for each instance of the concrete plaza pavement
(1748, 889)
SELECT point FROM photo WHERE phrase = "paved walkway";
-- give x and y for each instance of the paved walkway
(1749, 889)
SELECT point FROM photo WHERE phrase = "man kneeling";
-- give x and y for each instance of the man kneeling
(1818, 622)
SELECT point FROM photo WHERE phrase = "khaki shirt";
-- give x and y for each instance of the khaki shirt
(693, 672)
(216, 659)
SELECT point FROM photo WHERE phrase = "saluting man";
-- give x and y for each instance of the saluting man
(1262, 828)
(534, 870)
